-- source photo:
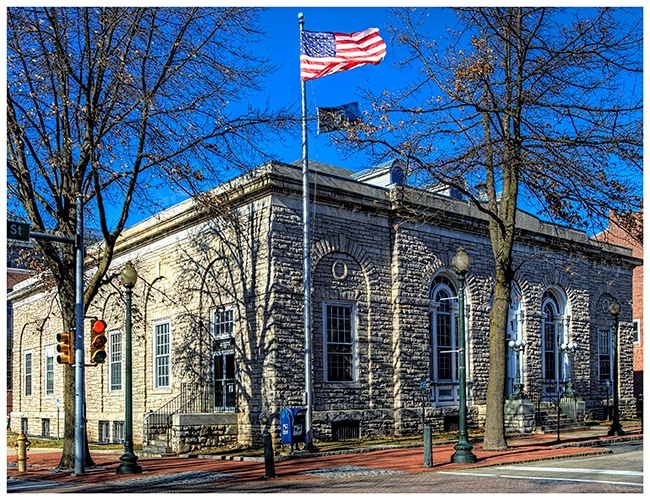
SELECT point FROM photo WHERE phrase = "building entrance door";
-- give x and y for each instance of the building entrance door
(224, 381)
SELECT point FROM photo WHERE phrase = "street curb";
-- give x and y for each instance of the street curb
(595, 443)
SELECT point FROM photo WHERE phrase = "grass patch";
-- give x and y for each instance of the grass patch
(37, 442)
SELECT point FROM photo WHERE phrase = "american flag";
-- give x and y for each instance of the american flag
(323, 53)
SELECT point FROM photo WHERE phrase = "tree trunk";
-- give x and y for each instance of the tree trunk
(495, 437)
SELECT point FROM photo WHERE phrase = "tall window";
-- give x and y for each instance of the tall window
(28, 374)
(604, 354)
(444, 335)
(339, 342)
(550, 340)
(515, 332)
(224, 359)
(554, 333)
(49, 371)
(115, 368)
(162, 359)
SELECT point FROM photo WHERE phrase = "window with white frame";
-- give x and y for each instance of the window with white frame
(49, 371)
(444, 336)
(162, 355)
(224, 323)
(104, 431)
(115, 363)
(515, 332)
(339, 339)
(118, 431)
(604, 354)
(554, 334)
(28, 374)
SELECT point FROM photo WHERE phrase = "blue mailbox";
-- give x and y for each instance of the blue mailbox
(292, 426)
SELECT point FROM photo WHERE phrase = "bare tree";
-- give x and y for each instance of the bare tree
(541, 106)
(120, 106)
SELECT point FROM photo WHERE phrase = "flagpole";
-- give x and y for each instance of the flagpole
(306, 263)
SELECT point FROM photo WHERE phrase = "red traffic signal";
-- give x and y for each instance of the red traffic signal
(98, 341)
(64, 348)
(98, 326)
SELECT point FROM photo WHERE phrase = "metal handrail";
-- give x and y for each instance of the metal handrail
(193, 398)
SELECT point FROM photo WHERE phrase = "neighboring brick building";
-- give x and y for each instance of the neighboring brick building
(629, 233)
(218, 310)
(16, 272)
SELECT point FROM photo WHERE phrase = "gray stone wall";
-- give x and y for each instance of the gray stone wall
(365, 253)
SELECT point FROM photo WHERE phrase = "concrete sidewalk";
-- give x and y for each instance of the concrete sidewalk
(42, 464)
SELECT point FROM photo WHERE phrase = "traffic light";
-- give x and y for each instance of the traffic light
(64, 348)
(97, 341)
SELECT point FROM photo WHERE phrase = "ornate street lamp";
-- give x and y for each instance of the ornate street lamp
(463, 454)
(570, 349)
(518, 346)
(128, 461)
(615, 429)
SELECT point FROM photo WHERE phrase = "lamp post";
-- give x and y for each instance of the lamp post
(570, 349)
(615, 429)
(128, 461)
(518, 346)
(463, 454)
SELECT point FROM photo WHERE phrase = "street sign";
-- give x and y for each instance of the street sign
(17, 230)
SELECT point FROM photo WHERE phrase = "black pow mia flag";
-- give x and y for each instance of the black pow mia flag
(331, 119)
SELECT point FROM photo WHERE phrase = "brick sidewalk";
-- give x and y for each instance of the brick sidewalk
(42, 466)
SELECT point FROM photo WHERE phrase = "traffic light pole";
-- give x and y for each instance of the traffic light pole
(21, 231)
(79, 397)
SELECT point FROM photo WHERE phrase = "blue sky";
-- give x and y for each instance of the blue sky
(284, 86)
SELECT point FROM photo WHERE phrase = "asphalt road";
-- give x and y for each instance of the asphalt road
(618, 472)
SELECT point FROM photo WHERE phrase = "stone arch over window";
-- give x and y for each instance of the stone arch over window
(342, 279)
(443, 327)
(555, 331)
(343, 245)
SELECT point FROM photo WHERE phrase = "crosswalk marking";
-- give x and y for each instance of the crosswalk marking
(573, 471)
(538, 478)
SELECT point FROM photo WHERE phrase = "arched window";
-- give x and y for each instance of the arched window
(444, 339)
(554, 333)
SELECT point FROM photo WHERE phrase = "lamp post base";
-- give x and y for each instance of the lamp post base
(616, 429)
(128, 464)
(463, 454)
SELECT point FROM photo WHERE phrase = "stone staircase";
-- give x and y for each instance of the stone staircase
(158, 440)
(193, 398)
(571, 416)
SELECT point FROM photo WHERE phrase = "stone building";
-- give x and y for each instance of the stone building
(218, 337)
